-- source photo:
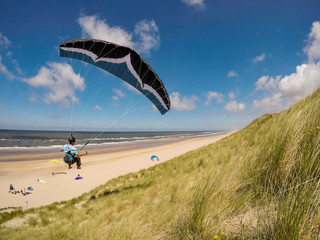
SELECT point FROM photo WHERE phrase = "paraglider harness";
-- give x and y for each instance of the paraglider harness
(69, 158)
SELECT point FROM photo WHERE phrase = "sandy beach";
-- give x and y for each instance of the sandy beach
(98, 167)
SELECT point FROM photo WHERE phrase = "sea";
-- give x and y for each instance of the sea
(13, 142)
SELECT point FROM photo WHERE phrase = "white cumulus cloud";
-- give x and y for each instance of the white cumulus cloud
(267, 82)
(259, 58)
(232, 74)
(4, 41)
(97, 107)
(4, 70)
(119, 92)
(271, 103)
(197, 3)
(14, 62)
(281, 92)
(59, 82)
(182, 103)
(146, 33)
(234, 106)
(289, 89)
(313, 47)
(301, 83)
(116, 98)
(213, 95)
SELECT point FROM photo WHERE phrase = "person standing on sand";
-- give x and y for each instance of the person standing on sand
(72, 155)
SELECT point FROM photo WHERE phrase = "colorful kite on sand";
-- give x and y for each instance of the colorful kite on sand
(155, 158)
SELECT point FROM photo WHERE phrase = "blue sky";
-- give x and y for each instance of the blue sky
(224, 63)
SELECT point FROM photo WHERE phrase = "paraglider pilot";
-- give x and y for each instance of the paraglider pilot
(72, 155)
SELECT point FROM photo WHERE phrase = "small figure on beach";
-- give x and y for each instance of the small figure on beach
(72, 155)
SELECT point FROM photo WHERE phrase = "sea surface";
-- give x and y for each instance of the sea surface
(23, 141)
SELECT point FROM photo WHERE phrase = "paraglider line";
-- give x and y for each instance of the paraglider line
(115, 121)
(98, 135)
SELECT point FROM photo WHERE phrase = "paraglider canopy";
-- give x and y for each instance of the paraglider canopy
(124, 63)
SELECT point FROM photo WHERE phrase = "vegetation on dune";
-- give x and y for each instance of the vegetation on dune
(259, 183)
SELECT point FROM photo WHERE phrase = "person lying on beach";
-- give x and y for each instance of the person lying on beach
(72, 155)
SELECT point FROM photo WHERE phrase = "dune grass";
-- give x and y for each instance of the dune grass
(261, 182)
